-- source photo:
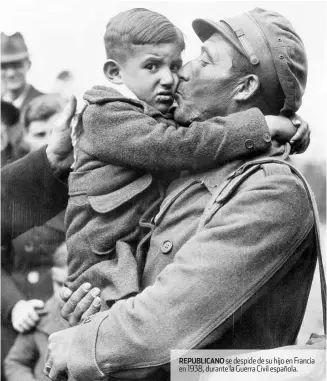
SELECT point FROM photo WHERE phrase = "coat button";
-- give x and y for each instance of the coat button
(267, 137)
(249, 143)
(33, 277)
(166, 247)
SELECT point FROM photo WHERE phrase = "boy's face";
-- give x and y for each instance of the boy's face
(150, 72)
(39, 132)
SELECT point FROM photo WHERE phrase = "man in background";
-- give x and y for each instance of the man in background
(15, 64)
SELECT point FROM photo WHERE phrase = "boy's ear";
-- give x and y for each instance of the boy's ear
(112, 71)
(247, 88)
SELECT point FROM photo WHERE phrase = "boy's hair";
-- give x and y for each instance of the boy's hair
(42, 108)
(139, 26)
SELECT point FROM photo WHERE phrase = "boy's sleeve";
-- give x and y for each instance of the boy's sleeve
(120, 133)
(21, 359)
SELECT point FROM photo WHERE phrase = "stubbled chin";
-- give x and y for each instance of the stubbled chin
(182, 117)
(163, 108)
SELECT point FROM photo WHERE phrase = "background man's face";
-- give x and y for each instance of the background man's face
(206, 83)
(13, 74)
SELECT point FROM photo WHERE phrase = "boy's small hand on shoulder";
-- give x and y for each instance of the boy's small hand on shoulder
(294, 130)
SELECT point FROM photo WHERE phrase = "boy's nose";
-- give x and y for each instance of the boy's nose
(167, 77)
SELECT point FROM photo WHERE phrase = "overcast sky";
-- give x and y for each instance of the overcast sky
(67, 34)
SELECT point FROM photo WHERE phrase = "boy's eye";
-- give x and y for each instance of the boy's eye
(152, 67)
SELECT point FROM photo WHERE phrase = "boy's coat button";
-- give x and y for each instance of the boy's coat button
(249, 144)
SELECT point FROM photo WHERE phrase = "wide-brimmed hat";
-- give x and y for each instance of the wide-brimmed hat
(272, 46)
(13, 48)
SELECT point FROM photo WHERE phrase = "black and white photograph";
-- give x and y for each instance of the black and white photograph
(163, 190)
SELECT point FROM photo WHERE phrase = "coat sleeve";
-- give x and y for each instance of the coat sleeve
(21, 360)
(10, 297)
(259, 229)
(30, 194)
(119, 133)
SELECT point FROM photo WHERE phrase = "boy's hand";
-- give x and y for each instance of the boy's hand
(24, 315)
(294, 130)
(80, 304)
(301, 140)
(60, 150)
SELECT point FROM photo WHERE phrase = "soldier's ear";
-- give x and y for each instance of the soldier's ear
(112, 71)
(248, 86)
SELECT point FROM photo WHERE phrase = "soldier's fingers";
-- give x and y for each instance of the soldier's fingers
(83, 306)
(65, 293)
(54, 372)
(48, 361)
(74, 299)
(93, 309)
(48, 364)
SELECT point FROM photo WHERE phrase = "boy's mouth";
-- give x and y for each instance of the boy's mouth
(165, 96)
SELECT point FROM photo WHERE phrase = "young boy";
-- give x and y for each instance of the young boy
(130, 149)
(25, 360)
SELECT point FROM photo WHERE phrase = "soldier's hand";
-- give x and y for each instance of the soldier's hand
(59, 347)
(24, 315)
(80, 304)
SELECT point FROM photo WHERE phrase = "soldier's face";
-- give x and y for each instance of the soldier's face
(206, 86)
(13, 74)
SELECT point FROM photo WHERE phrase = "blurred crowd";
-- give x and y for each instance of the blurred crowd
(33, 266)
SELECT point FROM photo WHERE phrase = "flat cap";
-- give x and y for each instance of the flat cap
(272, 46)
